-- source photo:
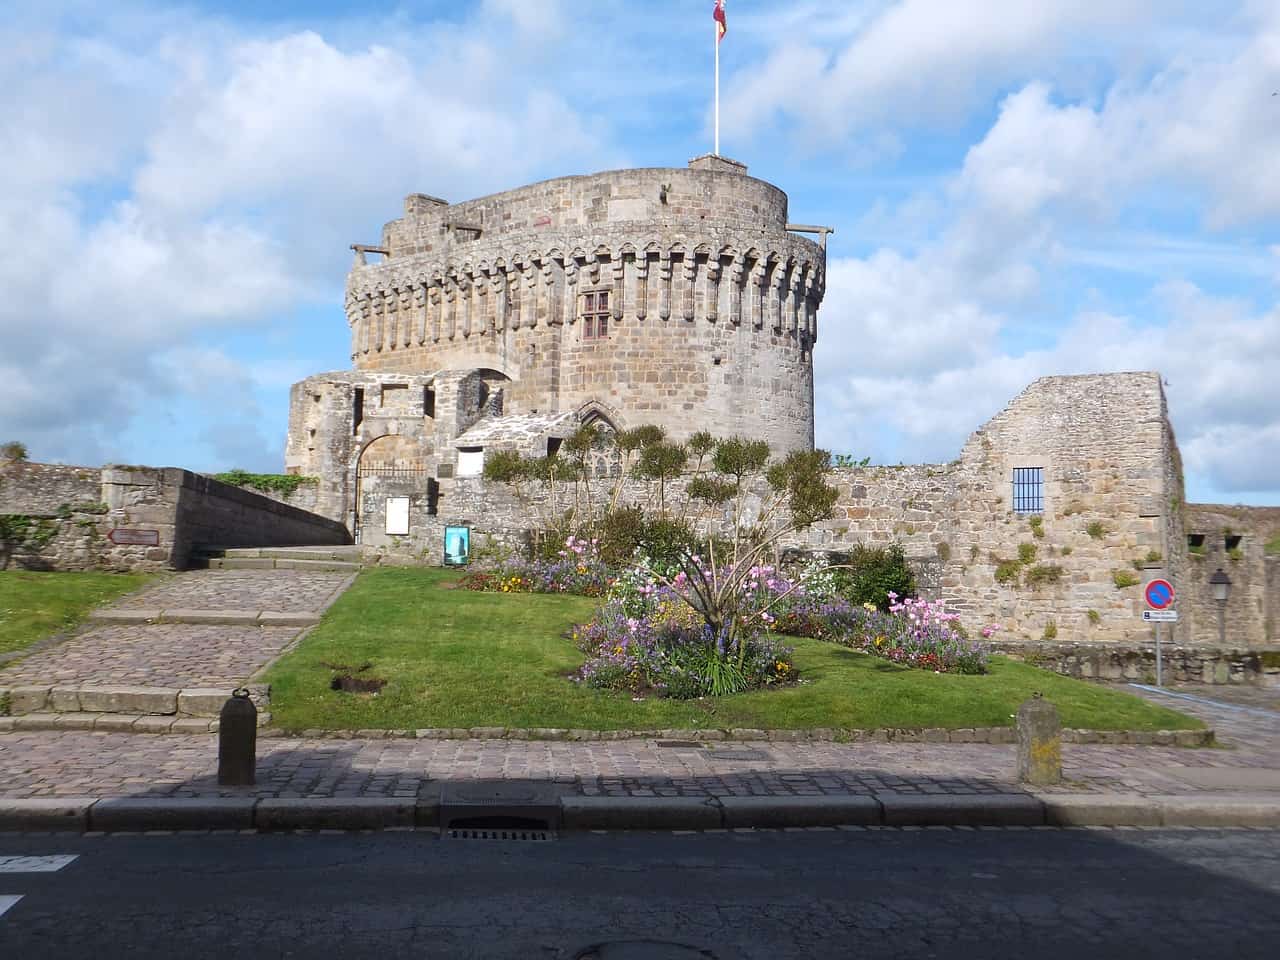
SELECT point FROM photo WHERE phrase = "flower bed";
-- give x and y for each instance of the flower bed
(577, 569)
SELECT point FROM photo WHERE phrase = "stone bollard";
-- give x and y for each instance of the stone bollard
(1039, 743)
(237, 741)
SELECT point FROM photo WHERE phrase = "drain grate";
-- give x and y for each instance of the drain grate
(472, 833)
(679, 744)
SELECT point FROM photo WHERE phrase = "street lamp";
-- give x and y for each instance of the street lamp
(1221, 584)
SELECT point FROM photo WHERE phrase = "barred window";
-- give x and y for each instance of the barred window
(595, 315)
(1028, 490)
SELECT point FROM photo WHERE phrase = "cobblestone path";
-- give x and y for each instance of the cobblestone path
(177, 654)
(50, 764)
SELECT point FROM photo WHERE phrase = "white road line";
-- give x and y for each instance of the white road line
(7, 901)
(36, 864)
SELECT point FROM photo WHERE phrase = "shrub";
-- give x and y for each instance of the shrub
(1096, 530)
(1044, 573)
(1037, 527)
(1123, 579)
(1154, 556)
(13, 450)
(1235, 553)
(1008, 572)
(874, 573)
(575, 568)
(1067, 551)
(1026, 553)
(628, 530)
(1050, 630)
(918, 633)
(281, 483)
(1095, 617)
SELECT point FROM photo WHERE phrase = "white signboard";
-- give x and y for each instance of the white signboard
(1160, 616)
(471, 462)
(397, 516)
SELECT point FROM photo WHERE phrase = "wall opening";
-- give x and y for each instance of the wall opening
(357, 409)
(553, 445)
(429, 402)
(1195, 543)
(1231, 541)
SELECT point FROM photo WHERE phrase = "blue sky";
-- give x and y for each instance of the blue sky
(1018, 190)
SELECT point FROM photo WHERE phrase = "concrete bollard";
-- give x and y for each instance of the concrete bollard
(238, 741)
(1039, 743)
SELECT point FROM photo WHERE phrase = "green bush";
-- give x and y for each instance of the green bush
(1044, 573)
(1008, 572)
(1051, 630)
(1037, 527)
(1123, 579)
(1154, 556)
(284, 484)
(872, 573)
(662, 539)
(1026, 553)
(13, 450)
(1095, 617)
(1096, 530)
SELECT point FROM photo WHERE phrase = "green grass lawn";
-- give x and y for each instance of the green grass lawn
(453, 658)
(35, 605)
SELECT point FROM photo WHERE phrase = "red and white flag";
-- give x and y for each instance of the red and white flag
(721, 27)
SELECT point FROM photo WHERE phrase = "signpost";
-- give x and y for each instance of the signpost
(1159, 594)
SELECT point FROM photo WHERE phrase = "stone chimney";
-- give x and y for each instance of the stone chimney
(709, 161)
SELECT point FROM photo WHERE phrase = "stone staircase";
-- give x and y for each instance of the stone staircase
(316, 559)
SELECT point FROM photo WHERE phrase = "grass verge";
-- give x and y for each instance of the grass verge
(35, 605)
(453, 658)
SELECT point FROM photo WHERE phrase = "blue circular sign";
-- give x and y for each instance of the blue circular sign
(1159, 594)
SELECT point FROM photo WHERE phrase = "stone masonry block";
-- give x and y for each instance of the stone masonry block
(202, 701)
(132, 700)
(28, 700)
(64, 700)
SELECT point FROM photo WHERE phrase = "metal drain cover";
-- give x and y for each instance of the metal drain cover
(504, 804)
(679, 744)
(518, 835)
(643, 950)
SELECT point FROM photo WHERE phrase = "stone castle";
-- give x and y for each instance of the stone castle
(677, 297)
(685, 298)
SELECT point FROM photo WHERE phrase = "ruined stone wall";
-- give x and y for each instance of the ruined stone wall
(167, 510)
(43, 488)
(1234, 540)
(713, 303)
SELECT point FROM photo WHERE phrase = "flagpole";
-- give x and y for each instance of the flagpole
(715, 31)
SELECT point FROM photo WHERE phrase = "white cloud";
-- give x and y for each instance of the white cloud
(193, 178)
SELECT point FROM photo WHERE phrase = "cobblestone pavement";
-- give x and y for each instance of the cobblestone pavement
(49, 764)
(1244, 718)
(166, 655)
(284, 591)
(183, 655)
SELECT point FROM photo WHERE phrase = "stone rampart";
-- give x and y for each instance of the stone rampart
(140, 518)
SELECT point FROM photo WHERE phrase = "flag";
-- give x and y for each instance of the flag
(721, 27)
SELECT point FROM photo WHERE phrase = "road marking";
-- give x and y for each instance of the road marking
(36, 864)
(7, 901)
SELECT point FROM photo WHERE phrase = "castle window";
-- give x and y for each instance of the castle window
(429, 401)
(1028, 490)
(595, 315)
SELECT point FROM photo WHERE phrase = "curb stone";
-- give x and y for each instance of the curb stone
(996, 735)
(648, 813)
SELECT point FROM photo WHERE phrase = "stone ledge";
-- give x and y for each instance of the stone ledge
(185, 721)
(649, 813)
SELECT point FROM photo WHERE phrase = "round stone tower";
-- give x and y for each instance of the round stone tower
(672, 296)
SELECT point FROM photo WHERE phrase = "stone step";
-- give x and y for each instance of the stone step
(136, 701)
(273, 563)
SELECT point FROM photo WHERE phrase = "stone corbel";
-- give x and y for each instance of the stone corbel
(711, 290)
(420, 307)
(530, 294)
(379, 320)
(690, 278)
(642, 284)
(664, 286)
(450, 308)
(464, 302)
(515, 302)
(550, 280)
(776, 281)
(617, 269)
(435, 301)
(501, 303)
(570, 289)
(406, 315)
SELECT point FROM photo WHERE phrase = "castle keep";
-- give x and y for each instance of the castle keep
(678, 297)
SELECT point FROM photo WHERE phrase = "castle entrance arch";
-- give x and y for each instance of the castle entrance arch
(393, 469)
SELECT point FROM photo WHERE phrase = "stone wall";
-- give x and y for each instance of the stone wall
(142, 518)
(1231, 539)
(1137, 664)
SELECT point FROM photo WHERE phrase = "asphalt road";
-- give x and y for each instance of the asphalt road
(1083, 894)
